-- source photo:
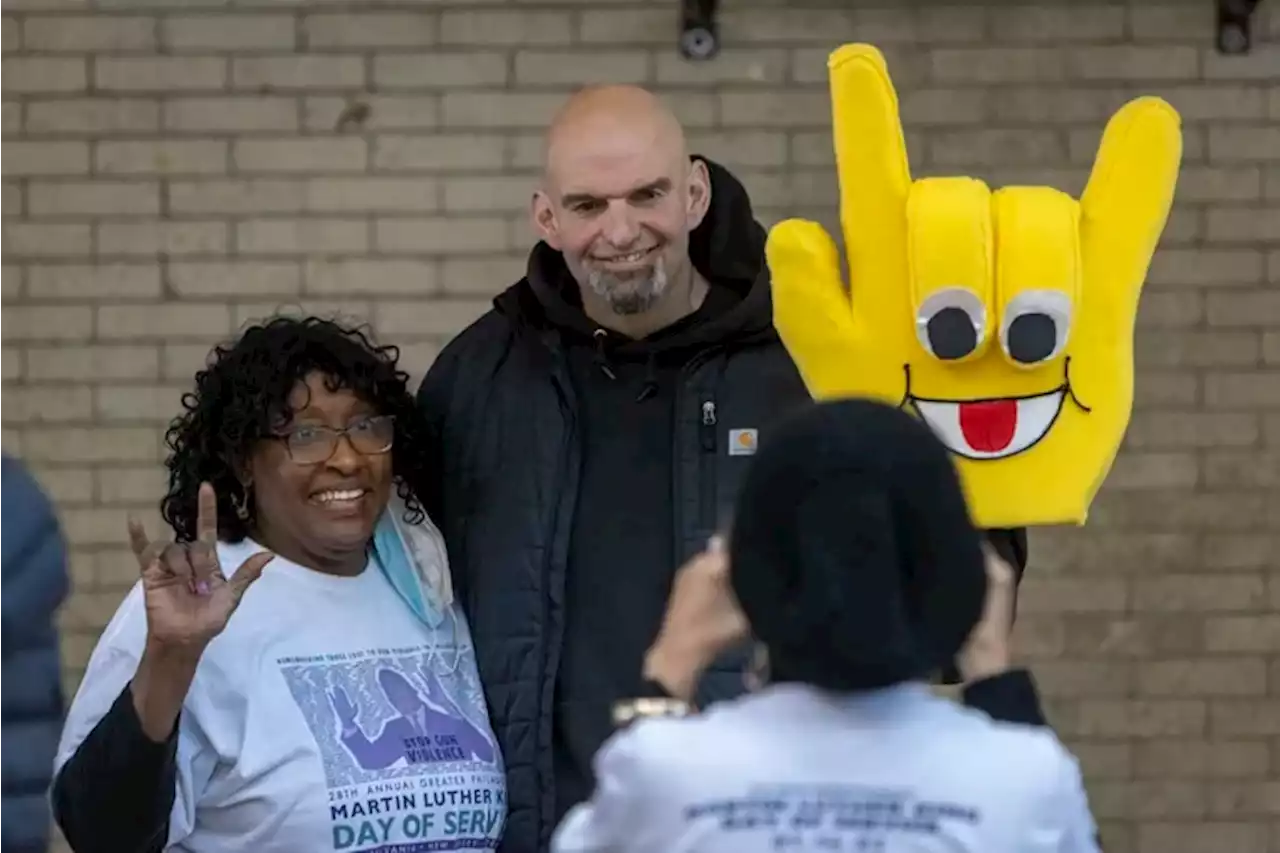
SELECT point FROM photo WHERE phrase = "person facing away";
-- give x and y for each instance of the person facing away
(35, 584)
(595, 426)
(858, 571)
(337, 705)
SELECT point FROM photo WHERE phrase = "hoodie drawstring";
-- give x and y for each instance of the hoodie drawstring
(650, 386)
(602, 357)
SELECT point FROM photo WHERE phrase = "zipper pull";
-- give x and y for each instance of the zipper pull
(708, 430)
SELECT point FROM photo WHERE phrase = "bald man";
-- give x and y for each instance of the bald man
(593, 430)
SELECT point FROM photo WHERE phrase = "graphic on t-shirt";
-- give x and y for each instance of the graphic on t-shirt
(409, 760)
(428, 728)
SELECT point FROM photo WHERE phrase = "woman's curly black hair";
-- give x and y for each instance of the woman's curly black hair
(243, 393)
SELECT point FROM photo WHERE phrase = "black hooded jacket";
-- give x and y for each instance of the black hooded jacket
(579, 470)
(534, 405)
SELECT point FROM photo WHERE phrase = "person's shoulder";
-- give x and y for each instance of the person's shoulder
(657, 747)
(487, 331)
(1028, 752)
(649, 751)
(766, 370)
(484, 341)
(33, 533)
(22, 493)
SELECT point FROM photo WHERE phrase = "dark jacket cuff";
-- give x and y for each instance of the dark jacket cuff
(1010, 697)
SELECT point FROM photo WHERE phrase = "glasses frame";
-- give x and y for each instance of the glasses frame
(336, 435)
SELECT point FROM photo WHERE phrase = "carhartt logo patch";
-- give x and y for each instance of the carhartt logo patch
(743, 442)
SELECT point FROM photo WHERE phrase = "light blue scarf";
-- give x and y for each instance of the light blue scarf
(413, 559)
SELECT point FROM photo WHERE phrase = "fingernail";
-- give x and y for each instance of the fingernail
(202, 587)
(715, 544)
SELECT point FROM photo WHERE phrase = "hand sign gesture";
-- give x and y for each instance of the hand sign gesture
(1005, 320)
(188, 598)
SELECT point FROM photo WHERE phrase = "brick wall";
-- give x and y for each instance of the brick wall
(173, 169)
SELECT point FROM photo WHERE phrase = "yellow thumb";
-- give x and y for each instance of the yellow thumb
(811, 308)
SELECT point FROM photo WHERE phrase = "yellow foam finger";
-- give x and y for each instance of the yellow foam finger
(1038, 274)
(951, 258)
(811, 309)
(871, 163)
(1125, 207)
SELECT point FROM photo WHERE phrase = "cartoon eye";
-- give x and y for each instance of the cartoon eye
(1035, 327)
(952, 324)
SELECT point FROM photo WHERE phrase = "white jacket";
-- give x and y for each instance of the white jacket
(795, 769)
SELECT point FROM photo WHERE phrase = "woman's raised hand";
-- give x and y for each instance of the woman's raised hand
(188, 598)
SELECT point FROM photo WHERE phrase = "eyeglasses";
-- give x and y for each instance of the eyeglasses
(311, 445)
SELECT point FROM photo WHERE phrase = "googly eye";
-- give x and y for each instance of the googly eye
(951, 324)
(1036, 326)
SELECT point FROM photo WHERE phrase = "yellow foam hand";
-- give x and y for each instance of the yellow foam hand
(1004, 319)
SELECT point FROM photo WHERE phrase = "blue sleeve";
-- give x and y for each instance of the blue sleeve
(35, 584)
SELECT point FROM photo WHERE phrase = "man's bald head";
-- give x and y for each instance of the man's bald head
(601, 122)
(618, 199)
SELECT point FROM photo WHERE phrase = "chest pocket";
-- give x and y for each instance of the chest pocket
(725, 447)
(737, 404)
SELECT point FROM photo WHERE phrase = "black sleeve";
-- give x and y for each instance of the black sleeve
(1010, 697)
(116, 792)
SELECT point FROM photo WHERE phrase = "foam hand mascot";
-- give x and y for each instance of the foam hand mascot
(1004, 319)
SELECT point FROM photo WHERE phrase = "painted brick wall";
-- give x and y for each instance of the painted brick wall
(173, 169)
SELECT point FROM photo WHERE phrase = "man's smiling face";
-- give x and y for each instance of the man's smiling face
(620, 197)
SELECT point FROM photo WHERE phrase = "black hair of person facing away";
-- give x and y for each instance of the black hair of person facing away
(853, 555)
(242, 397)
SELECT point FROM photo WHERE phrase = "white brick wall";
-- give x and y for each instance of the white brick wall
(172, 170)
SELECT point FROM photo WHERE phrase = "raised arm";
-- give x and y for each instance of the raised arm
(120, 773)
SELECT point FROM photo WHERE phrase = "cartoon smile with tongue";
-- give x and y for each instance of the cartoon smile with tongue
(1004, 319)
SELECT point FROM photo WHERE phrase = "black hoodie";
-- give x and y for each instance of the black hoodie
(578, 471)
(620, 562)
(619, 565)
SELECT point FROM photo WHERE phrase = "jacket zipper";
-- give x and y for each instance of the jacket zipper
(701, 517)
(708, 431)
(707, 474)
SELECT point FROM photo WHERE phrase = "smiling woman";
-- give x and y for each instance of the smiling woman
(279, 722)
(263, 427)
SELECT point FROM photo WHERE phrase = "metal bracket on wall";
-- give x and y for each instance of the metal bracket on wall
(699, 33)
(1235, 20)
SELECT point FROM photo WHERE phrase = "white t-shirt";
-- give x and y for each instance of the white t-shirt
(793, 769)
(326, 717)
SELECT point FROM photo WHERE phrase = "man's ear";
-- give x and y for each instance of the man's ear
(699, 192)
(543, 216)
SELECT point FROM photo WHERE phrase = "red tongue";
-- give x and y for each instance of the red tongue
(989, 426)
